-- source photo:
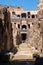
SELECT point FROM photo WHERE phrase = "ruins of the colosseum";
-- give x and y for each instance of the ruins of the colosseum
(21, 29)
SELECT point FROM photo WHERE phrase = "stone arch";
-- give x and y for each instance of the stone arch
(33, 16)
(24, 26)
(23, 15)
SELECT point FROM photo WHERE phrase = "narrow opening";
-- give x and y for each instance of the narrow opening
(36, 48)
(1, 22)
(29, 16)
(23, 36)
(38, 25)
(28, 13)
(18, 25)
(14, 24)
(28, 25)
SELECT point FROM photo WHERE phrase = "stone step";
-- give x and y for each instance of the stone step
(23, 55)
(30, 56)
(24, 45)
(25, 49)
(25, 52)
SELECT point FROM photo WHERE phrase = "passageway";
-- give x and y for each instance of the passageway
(23, 36)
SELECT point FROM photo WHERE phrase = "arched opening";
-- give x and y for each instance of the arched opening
(24, 26)
(18, 16)
(33, 16)
(28, 13)
(23, 15)
(13, 13)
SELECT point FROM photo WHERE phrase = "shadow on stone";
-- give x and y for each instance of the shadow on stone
(4, 58)
(39, 60)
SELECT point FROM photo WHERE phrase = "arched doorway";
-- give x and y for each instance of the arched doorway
(23, 15)
(24, 26)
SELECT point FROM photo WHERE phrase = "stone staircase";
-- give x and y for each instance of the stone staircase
(25, 52)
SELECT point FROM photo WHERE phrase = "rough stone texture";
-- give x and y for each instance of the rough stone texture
(24, 53)
(31, 24)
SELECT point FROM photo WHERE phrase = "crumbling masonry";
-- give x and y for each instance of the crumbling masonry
(24, 26)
